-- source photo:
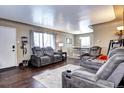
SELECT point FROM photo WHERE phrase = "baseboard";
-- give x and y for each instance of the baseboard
(9, 68)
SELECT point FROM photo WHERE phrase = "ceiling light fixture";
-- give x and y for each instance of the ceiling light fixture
(120, 28)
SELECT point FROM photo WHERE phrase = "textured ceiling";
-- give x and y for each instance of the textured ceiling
(73, 19)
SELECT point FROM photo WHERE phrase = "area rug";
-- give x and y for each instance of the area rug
(53, 78)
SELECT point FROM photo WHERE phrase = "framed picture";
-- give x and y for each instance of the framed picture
(68, 41)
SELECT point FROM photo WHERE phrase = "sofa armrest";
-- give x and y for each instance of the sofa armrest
(58, 53)
(35, 60)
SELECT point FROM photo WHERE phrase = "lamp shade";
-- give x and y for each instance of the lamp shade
(120, 28)
(60, 44)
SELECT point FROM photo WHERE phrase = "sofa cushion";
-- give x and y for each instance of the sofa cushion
(89, 66)
(106, 70)
(87, 69)
(104, 84)
(49, 51)
(45, 59)
(38, 51)
(96, 62)
(85, 75)
(92, 64)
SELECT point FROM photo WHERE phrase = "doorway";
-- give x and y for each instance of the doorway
(8, 55)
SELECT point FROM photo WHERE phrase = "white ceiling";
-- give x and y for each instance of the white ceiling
(73, 19)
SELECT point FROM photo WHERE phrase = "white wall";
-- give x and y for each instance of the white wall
(103, 33)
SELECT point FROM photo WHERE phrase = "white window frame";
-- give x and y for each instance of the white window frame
(86, 41)
(41, 37)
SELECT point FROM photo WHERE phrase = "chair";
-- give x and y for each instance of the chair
(109, 75)
(94, 52)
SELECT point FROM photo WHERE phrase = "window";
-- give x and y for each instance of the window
(49, 40)
(85, 41)
(36, 39)
(44, 40)
(41, 39)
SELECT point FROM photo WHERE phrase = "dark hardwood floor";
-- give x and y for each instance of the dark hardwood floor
(18, 78)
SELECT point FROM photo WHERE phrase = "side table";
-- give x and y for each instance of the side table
(64, 55)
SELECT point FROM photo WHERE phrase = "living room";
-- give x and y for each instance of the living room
(43, 47)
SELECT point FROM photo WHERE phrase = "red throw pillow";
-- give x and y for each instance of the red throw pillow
(103, 57)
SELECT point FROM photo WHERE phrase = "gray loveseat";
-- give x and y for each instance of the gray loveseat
(93, 64)
(108, 75)
(44, 56)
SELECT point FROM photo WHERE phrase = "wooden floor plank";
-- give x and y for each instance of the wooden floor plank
(18, 78)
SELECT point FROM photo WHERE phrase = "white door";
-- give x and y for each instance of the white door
(7, 47)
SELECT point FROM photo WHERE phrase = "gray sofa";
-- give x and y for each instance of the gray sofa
(94, 52)
(93, 64)
(109, 75)
(44, 56)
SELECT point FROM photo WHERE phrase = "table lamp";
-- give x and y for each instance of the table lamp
(120, 32)
(60, 46)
